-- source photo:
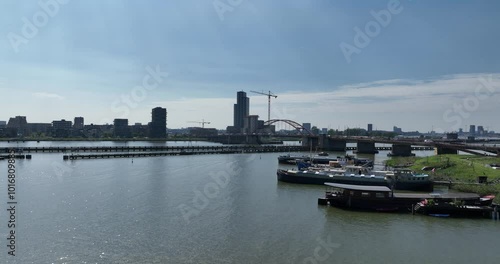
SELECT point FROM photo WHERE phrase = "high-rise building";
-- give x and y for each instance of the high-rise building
(3, 124)
(79, 124)
(396, 129)
(120, 128)
(370, 128)
(307, 126)
(241, 110)
(158, 125)
(480, 130)
(472, 129)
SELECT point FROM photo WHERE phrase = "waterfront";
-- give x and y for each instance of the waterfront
(214, 209)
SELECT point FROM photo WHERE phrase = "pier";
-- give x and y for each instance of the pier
(142, 154)
(179, 151)
(203, 149)
(97, 152)
(237, 148)
(17, 156)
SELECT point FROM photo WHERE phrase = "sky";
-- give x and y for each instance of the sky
(418, 65)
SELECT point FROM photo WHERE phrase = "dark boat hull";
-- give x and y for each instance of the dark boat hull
(426, 186)
(369, 204)
(284, 176)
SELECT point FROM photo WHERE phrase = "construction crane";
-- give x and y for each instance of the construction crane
(202, 122)
(269, 95)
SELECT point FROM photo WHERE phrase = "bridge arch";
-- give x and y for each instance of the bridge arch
(292, 123)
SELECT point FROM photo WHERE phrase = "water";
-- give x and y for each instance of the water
(213, 209)
(16, 144)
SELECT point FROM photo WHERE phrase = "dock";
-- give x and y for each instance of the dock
(259, 148)
(447, 196)
(236, 148)
(17, 156)
(141, 154)
(182, 152)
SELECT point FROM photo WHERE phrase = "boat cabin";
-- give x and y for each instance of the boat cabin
(363, 171)
(406, 174)
(358, 191)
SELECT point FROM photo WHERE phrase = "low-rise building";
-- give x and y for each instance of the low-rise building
(121, 129)
(61, 128)
(202, 132)
(39, 129)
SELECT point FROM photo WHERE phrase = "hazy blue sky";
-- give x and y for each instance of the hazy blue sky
(433, 64)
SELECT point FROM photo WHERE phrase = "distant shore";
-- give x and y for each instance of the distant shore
(101, 139)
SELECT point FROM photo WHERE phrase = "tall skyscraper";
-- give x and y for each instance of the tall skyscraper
(158, 125)
(370, 127)
(241, 110)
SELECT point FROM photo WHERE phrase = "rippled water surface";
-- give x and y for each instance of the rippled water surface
(213, 209)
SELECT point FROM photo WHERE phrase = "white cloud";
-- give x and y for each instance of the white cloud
(410, 104)
(413, 104)
(48, 96)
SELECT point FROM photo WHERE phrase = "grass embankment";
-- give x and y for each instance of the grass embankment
(463, 169)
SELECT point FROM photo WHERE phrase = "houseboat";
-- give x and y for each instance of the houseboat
(365, 197)
(358, 175)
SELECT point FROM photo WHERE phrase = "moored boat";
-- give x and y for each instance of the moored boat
(456, 208)
(405, 179)
(291, 159)
(365, 197)
(359, 175)
(382, 198)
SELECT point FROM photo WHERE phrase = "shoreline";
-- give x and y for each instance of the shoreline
(102, 140)
(462, 171)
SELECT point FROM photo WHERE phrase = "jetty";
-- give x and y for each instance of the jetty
(132, 152)
(17, 156)
(142, 154)
(215, 148)
(264, 148)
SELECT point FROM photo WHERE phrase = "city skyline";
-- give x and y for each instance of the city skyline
(334, 64)
(161, 114)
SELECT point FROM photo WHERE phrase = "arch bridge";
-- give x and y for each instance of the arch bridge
(304, 131)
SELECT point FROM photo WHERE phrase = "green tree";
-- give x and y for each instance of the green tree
(315, 130)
